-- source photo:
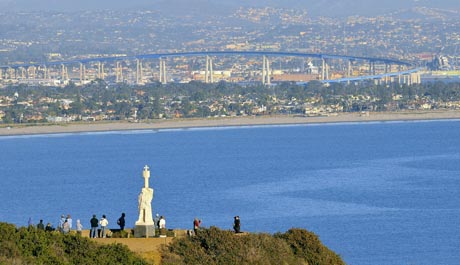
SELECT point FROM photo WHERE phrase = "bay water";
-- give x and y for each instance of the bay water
(375, 193)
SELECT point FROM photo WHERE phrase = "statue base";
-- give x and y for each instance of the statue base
(144, 231)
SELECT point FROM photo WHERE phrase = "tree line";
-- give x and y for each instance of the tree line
(196, 99)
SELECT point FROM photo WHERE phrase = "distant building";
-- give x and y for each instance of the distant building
(295, 77)
(439, 63)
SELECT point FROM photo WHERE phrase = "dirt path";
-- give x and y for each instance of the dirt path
(148, 248)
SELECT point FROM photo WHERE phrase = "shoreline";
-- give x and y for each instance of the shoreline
(31, 129)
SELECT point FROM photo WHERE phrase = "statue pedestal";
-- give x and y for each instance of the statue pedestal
(144, 231)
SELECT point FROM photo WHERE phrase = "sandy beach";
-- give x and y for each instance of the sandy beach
(225, 121)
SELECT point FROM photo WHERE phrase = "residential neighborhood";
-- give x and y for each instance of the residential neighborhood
(99, 102)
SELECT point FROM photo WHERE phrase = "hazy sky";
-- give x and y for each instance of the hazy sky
(316, 7)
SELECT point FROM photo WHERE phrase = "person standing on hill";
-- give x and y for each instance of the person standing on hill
(66, 227)
(61, 223)
(103, 222)
(121, 222)
(162, 225)
(94, 225)
(41, 225)
(69, 220)
(162, 222)
(79, 227)
(49, 228)
(157, 221)
(196, 225)
(236, 224)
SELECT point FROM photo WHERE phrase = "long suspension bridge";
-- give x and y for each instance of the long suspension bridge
(256, 66)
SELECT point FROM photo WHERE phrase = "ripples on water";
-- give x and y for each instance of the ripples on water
(376, 193)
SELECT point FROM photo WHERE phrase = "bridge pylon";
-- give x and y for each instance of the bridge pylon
(266, 72)
(163, 79)
(139, 71)
(118, 72)
(209, 72)
(81, 74)
(324, 69)
(100, 70)
(64, 73)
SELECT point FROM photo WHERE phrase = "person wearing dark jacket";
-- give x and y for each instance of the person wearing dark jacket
(94, 225)
(236, 224)
(41, 225)
(49, 228)
(121, 222)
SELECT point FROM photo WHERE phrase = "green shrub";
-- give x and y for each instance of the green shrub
(209, 246)
(33, 246)
(307, 245)
(122, 234)
(9, 241)
(214, 246)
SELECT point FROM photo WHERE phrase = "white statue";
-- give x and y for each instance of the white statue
(145, 199)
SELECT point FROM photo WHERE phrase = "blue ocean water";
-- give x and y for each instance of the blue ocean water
(376, 193)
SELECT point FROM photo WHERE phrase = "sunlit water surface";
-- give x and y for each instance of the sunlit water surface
(376, 193)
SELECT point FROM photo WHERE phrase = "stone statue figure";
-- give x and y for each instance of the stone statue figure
(145, 201)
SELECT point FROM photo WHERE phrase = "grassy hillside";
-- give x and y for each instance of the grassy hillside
(209, 246)
(32, 246)
(214, 246)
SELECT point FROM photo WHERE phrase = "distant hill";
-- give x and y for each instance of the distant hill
(330, 8)
(425, 13)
